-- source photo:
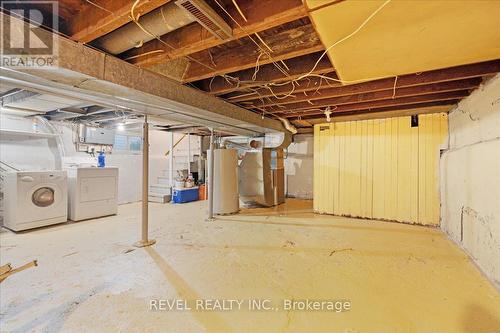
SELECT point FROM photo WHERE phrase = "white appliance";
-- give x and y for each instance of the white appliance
(226, 200)
(93, 192)
(34, 199)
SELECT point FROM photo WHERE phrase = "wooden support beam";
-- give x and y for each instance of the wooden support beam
(285, 44)
(396, 102)
(434, 76)
(387, 112)
(329, 97)
(261, 15)
(93, 22)
(268, 73)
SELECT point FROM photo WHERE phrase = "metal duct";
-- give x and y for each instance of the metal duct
(160, 21)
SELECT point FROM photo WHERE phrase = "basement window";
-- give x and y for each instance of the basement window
(127, 143)
(120, 142)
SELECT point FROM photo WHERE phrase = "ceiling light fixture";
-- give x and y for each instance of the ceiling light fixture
(328, 112)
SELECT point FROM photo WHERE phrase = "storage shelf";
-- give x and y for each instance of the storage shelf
(26, 133)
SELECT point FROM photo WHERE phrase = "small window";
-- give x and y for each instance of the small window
(127, 143)
(120, 142)
(135, 143)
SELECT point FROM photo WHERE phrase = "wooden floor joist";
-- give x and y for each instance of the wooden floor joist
(325, 98)
(384, 112)
(397, 102)
(285, 44)
(99, 18)
(312, 84)
(429, 77)
(267, 73)
(273, 64)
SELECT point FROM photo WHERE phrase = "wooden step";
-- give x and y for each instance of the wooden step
(160, 189)
(160, 198)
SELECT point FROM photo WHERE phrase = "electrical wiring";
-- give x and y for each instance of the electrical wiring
(249, 36)
(144, 54)
(135, 19)
(265, 50)
(343, 40)
(326, 78)
(394, 87)
(257, 67)
(100, 7)
(239, 10)
(107, 11)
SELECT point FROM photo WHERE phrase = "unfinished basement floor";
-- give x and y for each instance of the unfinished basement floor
(398, 278)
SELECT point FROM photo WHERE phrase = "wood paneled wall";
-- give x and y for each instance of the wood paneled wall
(381, 169)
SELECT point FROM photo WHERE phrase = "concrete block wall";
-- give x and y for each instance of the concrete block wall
(470, 178)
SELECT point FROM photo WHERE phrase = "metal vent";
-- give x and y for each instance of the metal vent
(207, 17)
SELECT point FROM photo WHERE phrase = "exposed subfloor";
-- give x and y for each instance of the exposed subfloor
(398, 278)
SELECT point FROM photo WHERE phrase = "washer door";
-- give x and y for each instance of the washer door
(43, 197)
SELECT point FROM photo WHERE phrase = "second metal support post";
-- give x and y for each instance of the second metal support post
(171, 163)
(211, 177)
(145, 241)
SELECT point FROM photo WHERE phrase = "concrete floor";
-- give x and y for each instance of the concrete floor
(398, 278)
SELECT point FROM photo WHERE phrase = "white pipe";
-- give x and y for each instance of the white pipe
(211, 177)
(163, 20)
(171, 161)
(145, 179)
(59, 141)
(189, 154)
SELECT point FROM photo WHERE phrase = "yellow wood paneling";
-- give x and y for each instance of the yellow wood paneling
(369, 170)
(381, 168)
(378, 168)
(317, 170)
(342, 166)
(336, 168)
(330, 142)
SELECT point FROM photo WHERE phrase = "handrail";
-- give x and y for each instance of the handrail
(178, 141)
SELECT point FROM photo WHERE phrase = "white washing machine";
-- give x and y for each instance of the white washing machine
(34, 199)
(93, 192)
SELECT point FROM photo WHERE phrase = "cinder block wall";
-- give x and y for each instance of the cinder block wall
(470, 178)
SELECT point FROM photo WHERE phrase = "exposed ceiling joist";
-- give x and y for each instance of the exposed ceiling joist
(328, 96)
(429, 77)
(387, 112)
(261, 15)
(101, 17)
(240, 69)
(267, 73)
(313, 83)
(369, 106)
(285, 44)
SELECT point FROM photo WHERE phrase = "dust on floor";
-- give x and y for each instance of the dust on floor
(396, 278)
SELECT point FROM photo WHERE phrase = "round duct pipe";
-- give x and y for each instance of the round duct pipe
(158, 22)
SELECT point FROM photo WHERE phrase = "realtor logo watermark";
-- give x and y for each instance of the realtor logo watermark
(27, 40)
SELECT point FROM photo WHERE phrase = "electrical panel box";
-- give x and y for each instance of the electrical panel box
(100, 136)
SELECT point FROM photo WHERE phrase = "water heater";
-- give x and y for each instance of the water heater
(226, 198)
